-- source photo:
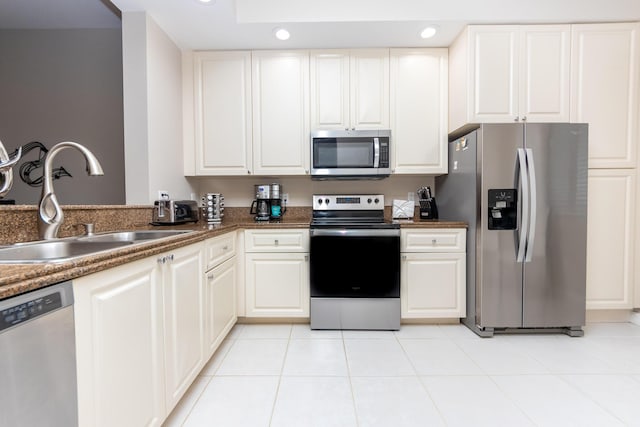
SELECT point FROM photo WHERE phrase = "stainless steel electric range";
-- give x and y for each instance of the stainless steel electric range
(354, 264)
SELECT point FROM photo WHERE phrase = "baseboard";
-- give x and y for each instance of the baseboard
(435, 321)
(271, 320)
(608, 316)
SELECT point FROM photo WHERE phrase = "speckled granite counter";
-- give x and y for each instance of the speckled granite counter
(17, 224)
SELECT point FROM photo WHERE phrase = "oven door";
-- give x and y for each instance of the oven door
(355, 263)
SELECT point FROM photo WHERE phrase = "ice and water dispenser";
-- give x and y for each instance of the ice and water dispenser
(503, 209)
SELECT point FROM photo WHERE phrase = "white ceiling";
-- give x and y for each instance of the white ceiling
(249, 24)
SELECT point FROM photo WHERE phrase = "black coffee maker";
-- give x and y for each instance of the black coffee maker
(261, 206)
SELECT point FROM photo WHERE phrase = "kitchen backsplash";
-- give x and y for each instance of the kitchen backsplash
(239, 191)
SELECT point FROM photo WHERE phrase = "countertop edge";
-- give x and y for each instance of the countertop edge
(16, 278)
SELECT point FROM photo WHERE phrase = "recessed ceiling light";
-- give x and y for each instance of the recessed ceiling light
(428, 32)
(281, 34)
(207, 2)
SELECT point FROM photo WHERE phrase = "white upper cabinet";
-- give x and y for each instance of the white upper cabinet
(604, 90)
(544, 73)
(507, 73)
(350, 89)
(419, 110)
(280, 87)
(218, 134)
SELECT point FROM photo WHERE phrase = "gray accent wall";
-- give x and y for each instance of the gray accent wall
(65, 85)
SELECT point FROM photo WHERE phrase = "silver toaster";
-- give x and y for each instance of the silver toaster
(175, 211)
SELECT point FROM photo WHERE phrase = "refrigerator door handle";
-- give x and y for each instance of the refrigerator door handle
(534, 196)
(521, 167)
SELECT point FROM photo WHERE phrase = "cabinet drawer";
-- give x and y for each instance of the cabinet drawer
(433, 240)
(219, 249)
(276, 240)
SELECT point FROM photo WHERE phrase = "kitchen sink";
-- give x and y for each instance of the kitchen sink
(67, 249)
(131, 236)
(54, 250)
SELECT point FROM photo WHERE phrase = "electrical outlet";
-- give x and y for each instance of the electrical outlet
(411, 196)
(285, 197)
(163, 195)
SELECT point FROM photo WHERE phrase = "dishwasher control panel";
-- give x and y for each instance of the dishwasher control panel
(25, 311)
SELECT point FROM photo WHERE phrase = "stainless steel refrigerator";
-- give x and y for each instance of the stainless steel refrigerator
(522, 189)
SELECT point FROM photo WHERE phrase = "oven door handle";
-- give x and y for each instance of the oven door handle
(343, 232)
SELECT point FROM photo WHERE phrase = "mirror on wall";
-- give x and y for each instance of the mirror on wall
(61, 80)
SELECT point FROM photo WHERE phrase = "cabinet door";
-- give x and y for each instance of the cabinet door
(419, 85)
(493, 83)
(610, 234)
(605, 68)
(277, 284)
(220, 283)
(369, 89)
(222, 113)
(544, 73)
(183, 319)
(118, 321)
(330, 89)
(433, 285)
(280, 85)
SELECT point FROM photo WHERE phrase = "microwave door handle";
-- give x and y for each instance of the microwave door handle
(376, 152)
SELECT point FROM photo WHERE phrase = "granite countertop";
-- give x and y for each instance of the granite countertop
(19, 278)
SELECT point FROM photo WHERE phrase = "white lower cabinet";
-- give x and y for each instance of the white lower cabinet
(144, 330)
(433, 273)
(277, 273)
(220, 291)
(183, 319)
(119, 342)
(610, 238)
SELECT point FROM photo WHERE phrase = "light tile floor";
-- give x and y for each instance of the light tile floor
(422, 375)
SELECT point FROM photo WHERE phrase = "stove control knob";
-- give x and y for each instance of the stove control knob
(377, 201)
(326, 201)
(369, 200)
(319, 201)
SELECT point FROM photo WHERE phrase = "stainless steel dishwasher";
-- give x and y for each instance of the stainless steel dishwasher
(37, 359)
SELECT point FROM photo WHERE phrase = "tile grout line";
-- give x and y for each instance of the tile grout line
(353, 397)
(284, 359)
(421, 382)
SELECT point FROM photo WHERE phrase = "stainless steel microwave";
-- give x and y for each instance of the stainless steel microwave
(350, 154)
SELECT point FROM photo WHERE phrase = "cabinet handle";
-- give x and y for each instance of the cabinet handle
(404, 257)
(306, 257)
(434, 241)
(249, 172)
(524, 118)
(225, 247)
(516, 119)
(210, 276)
(165, 259)
(276, 242)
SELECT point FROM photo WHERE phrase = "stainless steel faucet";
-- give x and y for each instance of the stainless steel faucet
(50, 214)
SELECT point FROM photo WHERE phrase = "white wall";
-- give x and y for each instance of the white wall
(152, 70)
